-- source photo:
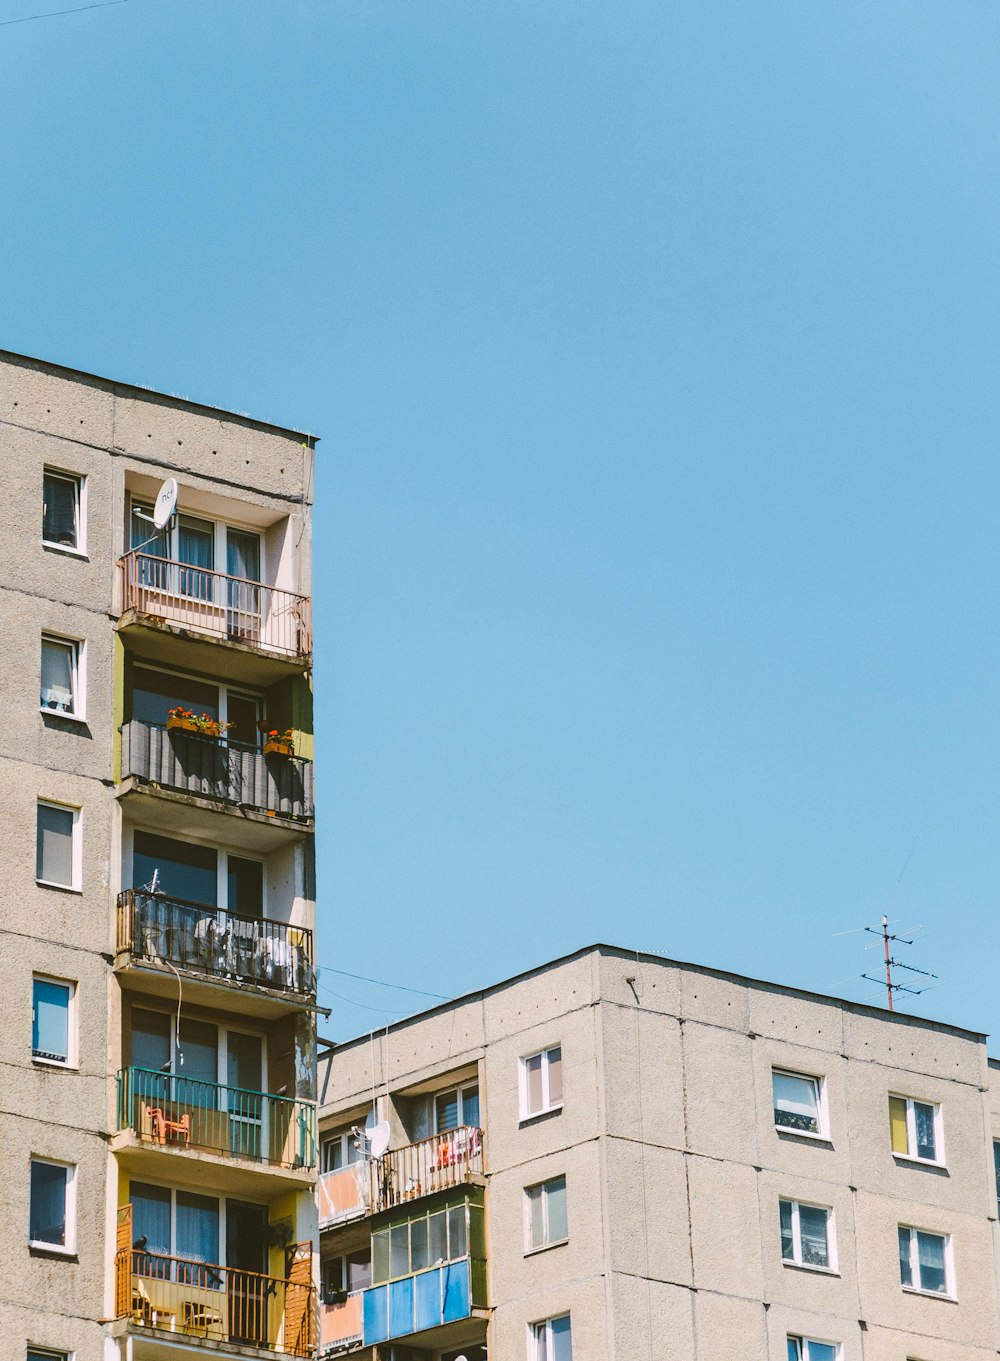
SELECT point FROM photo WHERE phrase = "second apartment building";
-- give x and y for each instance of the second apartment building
(159, 1137)
(619, 1156)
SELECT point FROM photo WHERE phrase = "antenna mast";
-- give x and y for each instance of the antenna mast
(890, 964)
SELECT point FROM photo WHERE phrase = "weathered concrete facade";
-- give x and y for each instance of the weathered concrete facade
(675, 1167)
(125, 962)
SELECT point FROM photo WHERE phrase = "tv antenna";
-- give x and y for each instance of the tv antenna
(890, 963)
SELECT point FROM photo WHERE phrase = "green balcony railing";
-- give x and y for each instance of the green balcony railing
(169, 1110)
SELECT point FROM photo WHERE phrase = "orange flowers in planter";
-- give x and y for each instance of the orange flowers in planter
(202, 724)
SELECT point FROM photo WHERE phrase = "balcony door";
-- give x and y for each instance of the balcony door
(245, 1105)
(246, 1258)
(243, 599)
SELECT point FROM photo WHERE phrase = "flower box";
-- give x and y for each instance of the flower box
(272, 748)
(183, 724)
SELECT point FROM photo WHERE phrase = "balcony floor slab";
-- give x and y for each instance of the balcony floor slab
(158, 640)
(189, 815)
(203, 1168)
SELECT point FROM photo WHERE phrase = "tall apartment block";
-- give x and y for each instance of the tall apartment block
(616, 1156)
(157, 1114)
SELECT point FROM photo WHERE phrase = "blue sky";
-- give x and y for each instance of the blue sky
(653, 347)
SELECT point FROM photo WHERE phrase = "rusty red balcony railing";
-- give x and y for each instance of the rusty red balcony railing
(435, 1164)
(226, 607)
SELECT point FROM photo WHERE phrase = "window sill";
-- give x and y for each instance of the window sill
(808, 1266)
(61, 888)
(546, 1247)
(61, 713)
(928, 1294)
(53, 1250)
(39, 1062)
(919, 1162)
(65, 549)
(536, 1116)
(789, 1133)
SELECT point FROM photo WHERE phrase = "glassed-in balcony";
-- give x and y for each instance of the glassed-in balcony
(157, 590)
(226, 772)
(162, 931)
(169, 1111)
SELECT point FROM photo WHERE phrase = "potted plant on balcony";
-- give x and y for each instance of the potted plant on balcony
(279, 743)
(182, 718)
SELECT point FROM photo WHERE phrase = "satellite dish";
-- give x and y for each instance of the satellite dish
(166, 502)
(378, 1140)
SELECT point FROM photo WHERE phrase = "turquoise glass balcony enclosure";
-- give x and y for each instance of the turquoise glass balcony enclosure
(428, 1268)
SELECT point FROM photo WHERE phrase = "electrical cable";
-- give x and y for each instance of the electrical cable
(397, 987)
(58, 13)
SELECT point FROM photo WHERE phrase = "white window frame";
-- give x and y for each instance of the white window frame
(76, 847)
(540, 1336)
(804, 1345)
(221, 864)
(547, 1241)
(67, 1249)
(78, 650)
(522, 1078)
(220, 540)
(72, 1059)
(220, 1201)
(911, 1131)
(822, 1114)
(948, 1293)
(47, 1353)
(460, 1093)
(831, 1237)
(348, 1142)
(80, 551)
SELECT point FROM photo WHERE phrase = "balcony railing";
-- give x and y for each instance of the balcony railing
(220, 606)
(434, 1164)
(216, 1303)
(340, 1322)
(214, 942)
(171, 1111)
(231, 772)
(344, 1194)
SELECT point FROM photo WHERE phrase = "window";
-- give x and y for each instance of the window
(806, 1234)
(61, 689)
(541, 1082)
(153, 693)
(455, 1108)
(36, 1354)
(551, 1340)
(52, 1027)
(63, 496)
(808, 1349)
(52, 1207)
(426, 1240)
(57, 845)
(925, 1261)
(545, 1214)
(346, 1274)
(339, 1149)
(915, 1129)
(798, 1103)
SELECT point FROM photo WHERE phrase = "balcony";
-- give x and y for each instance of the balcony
(172, 1113)
(212, 772)
(186, 1302)
(193, 602)
(340, 1323)
(344, 1195)
(169, 933)
(417, 1305)
(421, 1169)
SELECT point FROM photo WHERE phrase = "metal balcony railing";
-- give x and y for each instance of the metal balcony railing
(221, 606)
(231, 772)
(214, 942)
(341, 1322)
(214, 1303)
(172, 1111)
(433, 1164)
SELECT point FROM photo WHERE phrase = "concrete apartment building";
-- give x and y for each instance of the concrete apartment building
(619, 1156)
(157, 1058)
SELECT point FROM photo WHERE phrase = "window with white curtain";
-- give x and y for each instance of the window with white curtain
(925, 1261)
(61, 689)
(541, 1083)
(545, 1214)
(806, 1234)
(551, 1339)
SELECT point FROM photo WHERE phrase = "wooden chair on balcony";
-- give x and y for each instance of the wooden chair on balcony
(163, 1127)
